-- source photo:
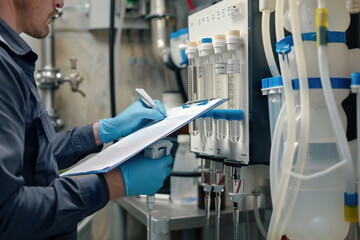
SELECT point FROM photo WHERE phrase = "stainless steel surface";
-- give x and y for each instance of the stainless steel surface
(161, 229)
(182, 217)
(179, 216)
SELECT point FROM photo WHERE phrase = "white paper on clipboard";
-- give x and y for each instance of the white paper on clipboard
(134, 143)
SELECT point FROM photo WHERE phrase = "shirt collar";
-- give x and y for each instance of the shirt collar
(10, 38)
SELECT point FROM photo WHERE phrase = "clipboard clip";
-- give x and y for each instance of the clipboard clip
(197, 102)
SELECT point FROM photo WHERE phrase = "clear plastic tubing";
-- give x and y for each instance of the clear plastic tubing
(208, 79)
(305, 106)
(233, 68)
(192, 55)
(278, 199)
(288, 155)
(265, 28)
(274, 153)
(257, 217)
(279, 28)
(334, 115)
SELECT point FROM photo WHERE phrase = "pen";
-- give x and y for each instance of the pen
(145, 98)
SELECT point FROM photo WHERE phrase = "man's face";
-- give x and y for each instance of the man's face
(34, 16)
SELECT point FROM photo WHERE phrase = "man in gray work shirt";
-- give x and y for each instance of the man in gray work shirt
(35, 202)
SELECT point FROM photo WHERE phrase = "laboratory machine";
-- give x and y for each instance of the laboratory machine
(286, 68)
(277, 152)
(226, 60)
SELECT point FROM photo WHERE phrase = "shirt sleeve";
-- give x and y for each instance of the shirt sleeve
(73, 145)
(36, 212)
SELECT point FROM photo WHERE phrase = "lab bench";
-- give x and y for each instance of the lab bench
(168, 216)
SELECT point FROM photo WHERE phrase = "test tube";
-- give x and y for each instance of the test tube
(234, 91)
(208, 123)
(234, 132)
(220, 58)
(192, 55)
(235, 118)
(200, 76)
(221, 123)
(233, 68)
(221, 128)
(217, 166)
(221, 81)
(207, 65)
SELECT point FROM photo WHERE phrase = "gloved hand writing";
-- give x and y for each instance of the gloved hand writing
(145, 175)
(131, 119)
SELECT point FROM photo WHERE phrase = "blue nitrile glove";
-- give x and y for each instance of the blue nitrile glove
(145, 175)
(131, 119)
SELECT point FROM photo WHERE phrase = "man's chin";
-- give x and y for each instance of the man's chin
(39, 34)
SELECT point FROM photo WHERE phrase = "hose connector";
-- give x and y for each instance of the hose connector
(351, 207)
(267, 5)
(321, 26)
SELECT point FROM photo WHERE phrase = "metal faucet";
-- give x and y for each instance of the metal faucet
(74, 77)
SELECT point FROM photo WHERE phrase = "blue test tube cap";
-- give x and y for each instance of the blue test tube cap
(235, 115)
(220, 113)
(206, 40)
(272, 82)
(208, 114)
(355, 78)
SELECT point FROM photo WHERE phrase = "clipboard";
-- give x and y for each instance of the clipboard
(134, 143)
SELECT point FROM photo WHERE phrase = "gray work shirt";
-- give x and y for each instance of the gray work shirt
(35, 202)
